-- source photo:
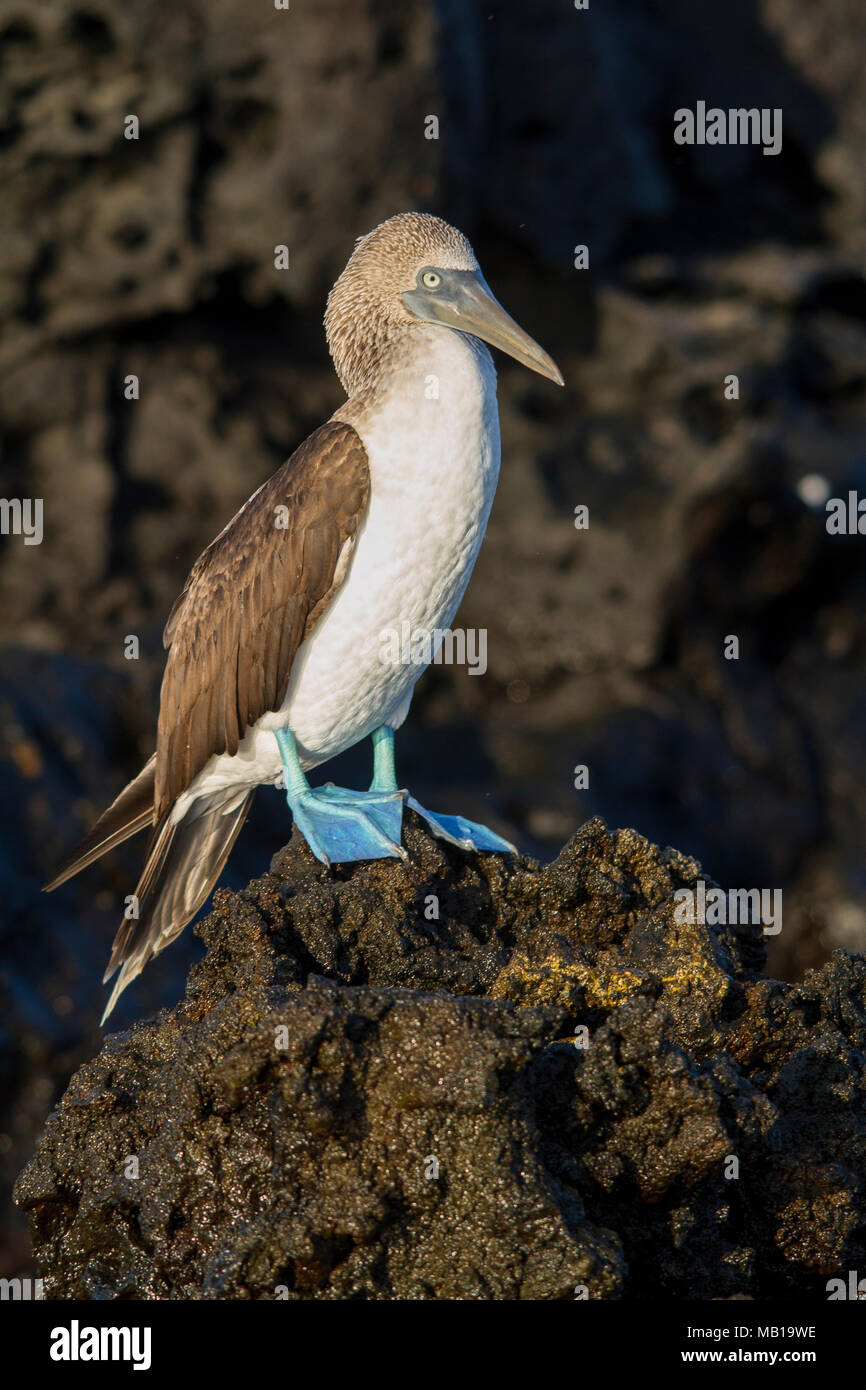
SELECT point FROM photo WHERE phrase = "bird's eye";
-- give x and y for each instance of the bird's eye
(430, 280)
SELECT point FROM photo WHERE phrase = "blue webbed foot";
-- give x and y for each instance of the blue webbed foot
(466, 834)
(341, 826)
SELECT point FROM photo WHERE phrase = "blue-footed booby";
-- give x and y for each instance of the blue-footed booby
(275, 652)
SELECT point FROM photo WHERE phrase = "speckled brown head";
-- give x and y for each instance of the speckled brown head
(415, 269)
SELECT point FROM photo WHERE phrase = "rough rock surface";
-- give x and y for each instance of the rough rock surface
(359, 1100)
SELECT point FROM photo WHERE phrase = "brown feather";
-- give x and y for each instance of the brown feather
(184, 864)
(131, 812)
(241, 614)
(235, 629)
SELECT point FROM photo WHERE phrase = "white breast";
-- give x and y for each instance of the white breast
(433, 447)
(432, 441)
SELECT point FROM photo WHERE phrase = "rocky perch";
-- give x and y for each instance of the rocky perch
(467, 1077)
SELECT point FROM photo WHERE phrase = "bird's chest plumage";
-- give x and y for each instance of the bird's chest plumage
(432, 440)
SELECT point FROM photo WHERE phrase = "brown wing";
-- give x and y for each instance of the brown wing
(249, 602)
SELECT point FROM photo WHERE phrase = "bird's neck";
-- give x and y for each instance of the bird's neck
(426, 363)
(434, 408)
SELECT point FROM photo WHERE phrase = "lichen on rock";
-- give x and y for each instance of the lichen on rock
(467, 1077)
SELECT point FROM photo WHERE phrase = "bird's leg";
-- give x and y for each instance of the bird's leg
(340, 825)
(455, 829)
(384, 773)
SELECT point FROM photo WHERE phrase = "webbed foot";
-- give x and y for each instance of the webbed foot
(341, 826)
(466, 834)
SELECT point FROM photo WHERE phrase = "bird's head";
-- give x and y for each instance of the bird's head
(416, 269)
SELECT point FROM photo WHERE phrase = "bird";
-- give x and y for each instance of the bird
(276, 661)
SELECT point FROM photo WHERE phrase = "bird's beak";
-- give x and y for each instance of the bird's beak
(463, 300)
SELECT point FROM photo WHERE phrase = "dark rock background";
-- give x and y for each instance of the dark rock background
(306, 127)
(358, 1099)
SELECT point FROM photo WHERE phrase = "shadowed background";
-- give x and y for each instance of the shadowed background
(155, 257)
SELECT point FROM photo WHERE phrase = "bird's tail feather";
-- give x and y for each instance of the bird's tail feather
(183, 864)
(130, 812)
